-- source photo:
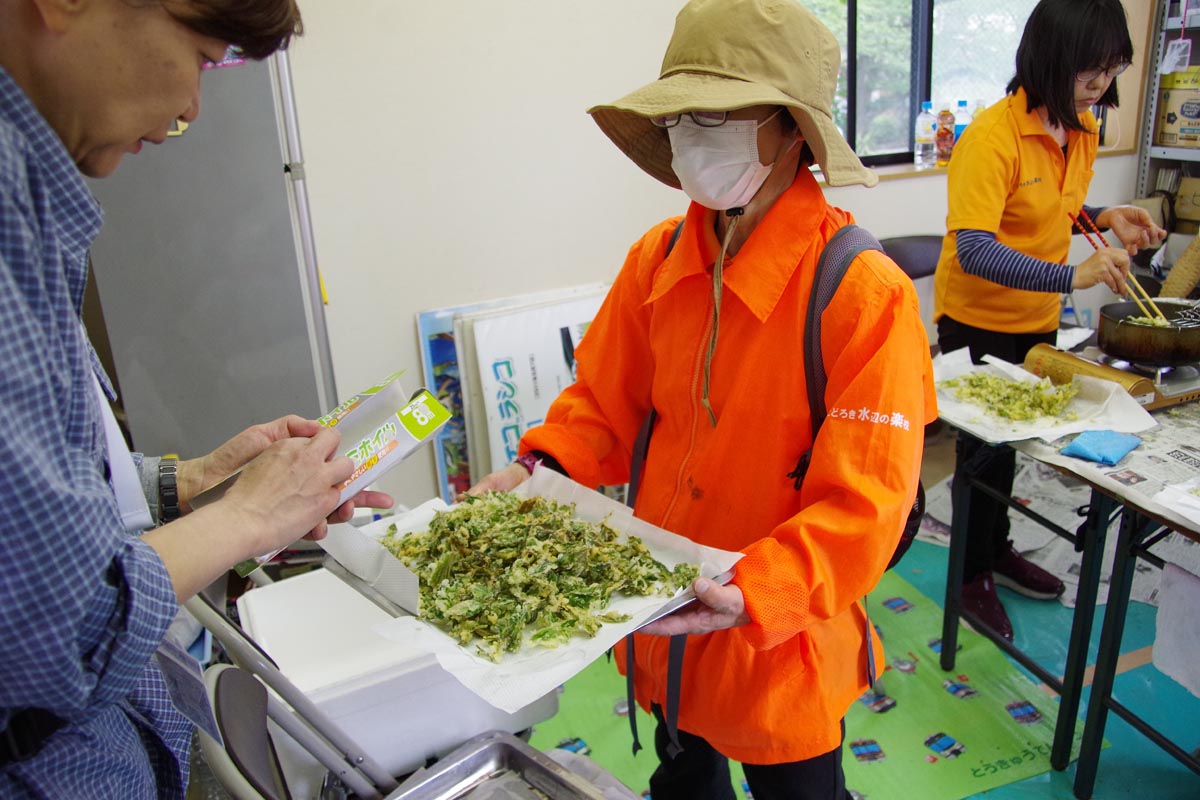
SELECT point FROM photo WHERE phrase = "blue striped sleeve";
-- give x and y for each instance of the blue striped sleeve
(981, 255)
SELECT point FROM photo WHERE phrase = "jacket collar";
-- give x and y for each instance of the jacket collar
(764, 266)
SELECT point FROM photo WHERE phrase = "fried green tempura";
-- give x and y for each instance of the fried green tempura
(1153, 322)
(1013, 399)
(498, 564)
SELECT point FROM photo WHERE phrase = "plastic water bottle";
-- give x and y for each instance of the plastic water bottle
(924, 148)
(961, 117)
(944, 137)
(980, 107)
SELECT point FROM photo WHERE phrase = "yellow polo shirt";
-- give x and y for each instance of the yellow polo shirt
(1008, 176)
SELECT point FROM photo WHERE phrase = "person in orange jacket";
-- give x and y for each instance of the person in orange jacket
(710, 336)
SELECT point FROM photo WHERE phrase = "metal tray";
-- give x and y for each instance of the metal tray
(488, 764)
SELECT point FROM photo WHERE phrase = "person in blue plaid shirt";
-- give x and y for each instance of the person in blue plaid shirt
(85, 710)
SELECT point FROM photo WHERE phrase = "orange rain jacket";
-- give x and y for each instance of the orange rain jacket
(775, 690)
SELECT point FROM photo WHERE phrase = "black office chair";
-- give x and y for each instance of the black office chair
(916, 255)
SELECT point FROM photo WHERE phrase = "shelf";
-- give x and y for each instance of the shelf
(1169, 25)
(1176, 153)
(1175, 23)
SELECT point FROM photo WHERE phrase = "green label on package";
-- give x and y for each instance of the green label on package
(423, 415)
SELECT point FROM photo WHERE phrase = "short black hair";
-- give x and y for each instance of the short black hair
(1061, 39)
(256, 27)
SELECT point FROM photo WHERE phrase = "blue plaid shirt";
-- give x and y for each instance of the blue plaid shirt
(84, 604)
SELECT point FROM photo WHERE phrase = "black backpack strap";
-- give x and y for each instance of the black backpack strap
(674, 684)
(839, 252)
(641, 446)
(632, 704)
(836, 258)
(674, 238)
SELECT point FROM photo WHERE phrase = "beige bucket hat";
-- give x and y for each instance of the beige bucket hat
(730, 54)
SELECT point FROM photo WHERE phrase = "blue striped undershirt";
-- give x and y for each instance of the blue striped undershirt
(981, 255)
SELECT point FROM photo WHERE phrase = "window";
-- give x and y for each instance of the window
(896, 53)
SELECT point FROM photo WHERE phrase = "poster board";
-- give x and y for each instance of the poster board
(440, 365)
(523, 358)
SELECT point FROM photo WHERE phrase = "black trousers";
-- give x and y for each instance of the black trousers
(701, 773)
(988, 519)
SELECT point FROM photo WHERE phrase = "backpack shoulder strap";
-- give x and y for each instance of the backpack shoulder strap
(642, 444)
(835, 259)
(839, 252)
(675, 237)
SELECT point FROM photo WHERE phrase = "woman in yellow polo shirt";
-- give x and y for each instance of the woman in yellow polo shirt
(1020, 171)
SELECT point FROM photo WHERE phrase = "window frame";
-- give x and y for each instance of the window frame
(920, 84)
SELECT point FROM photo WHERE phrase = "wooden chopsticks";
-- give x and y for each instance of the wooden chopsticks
(1084, 223)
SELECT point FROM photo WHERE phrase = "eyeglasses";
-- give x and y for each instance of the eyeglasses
(705, 119)
(1089, 75)
(233, 55)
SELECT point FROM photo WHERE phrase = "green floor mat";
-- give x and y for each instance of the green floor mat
(940, 736)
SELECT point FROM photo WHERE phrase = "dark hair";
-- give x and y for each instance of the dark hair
(787, 124)
(256, 27)
(1061, 39)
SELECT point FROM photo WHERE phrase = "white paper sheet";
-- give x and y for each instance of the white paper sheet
(1070, 338)
(1183, 498)
(1099, 405)
(522, 677)
(1177, 628)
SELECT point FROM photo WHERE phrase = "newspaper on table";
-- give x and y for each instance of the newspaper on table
(522, 677)
(1099, 404)
(1167, 458)
(1062, 499)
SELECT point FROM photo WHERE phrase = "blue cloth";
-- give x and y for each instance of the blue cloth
(1104, 447)
(85, 604)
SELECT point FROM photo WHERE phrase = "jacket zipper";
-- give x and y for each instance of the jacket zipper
(694, 407)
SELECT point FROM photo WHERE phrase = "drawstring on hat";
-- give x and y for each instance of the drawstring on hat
(734, 215)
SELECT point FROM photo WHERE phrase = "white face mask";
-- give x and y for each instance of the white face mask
(718, 167)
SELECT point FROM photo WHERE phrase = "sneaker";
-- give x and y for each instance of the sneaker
(979, 597)
(1014, 571)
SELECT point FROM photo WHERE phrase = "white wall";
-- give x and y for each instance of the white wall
(450, 159)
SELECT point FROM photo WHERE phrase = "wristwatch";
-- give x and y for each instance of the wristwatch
(168, 490)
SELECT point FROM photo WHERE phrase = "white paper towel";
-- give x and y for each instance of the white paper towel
(1099, 405)
(1177, 633)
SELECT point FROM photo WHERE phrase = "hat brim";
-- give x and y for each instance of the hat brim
(627, 123)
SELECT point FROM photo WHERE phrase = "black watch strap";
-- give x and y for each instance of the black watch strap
(168, 490)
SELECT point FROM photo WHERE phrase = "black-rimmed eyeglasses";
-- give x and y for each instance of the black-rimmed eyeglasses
(705, 119)
(1089, 75)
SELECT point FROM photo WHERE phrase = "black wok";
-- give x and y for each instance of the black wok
(1147, 344)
